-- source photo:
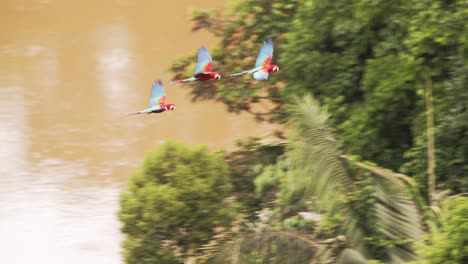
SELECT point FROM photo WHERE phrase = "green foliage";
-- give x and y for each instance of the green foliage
(438, 35)
(349, 59)
(331, 225)
(349, 256)
(389, 96)
(450, 136)
(363, 203)
(270, 182)
(266, 248)
(296, 223)
(368, 60)
(270, 247)
(252, 166)
(174, 203)
(379, 218)
(451, 244)
(241, 33)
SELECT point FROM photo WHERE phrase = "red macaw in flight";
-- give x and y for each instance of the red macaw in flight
(203, 69)
(262, 65)
(157, 100)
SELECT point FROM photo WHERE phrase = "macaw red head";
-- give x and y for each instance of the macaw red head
(275, 67)
(216, 76)
(170, 106)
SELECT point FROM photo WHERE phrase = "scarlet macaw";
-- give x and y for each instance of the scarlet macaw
(157, 100)
(203, 69)
(262, 65)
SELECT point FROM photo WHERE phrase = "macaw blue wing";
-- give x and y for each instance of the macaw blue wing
(261, 75)
(204, 61)
(266, 54)
(158, 94)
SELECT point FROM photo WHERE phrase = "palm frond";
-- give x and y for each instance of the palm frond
(350, 256)
(316, 165)
(279, 247)
(315, 153)
(399, 215)
(398, 220)
(319, 166)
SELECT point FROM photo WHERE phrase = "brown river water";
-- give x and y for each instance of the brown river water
(69, 71)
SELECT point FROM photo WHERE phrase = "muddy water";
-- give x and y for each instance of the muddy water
(69, 70)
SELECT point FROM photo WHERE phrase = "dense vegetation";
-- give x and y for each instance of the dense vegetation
(174, 204)
(383, 112)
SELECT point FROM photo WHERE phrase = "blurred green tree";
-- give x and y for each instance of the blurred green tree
(451, 244)
(368, 61)
(354, 204)
(375, 211)
(253, 157)
(174, 204)
(438, 38)
(241, 33)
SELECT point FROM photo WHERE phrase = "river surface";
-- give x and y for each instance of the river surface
(69, 71)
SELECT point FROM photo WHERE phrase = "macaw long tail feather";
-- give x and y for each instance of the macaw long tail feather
(134, 113)
(246, 72)
(237, 74)
(184, 81)
(178, 81)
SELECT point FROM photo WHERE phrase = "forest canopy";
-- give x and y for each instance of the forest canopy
(370, 162)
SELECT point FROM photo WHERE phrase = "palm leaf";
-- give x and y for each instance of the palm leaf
(317, 165)
(280, 247)
(399, 215)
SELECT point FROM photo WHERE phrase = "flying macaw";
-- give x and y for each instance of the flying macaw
(262, 65)
(203, 69)
(157, 100)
